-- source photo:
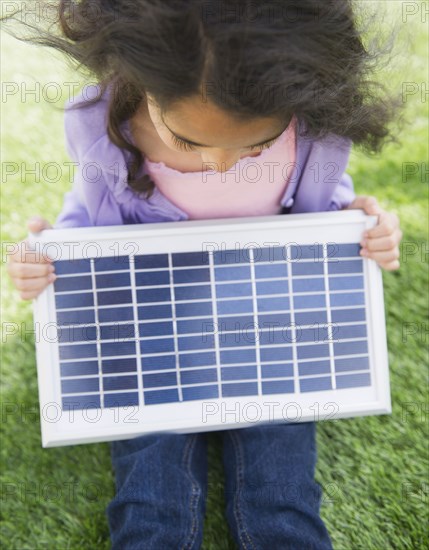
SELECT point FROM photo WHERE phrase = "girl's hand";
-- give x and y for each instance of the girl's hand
(381, 243)
(30, 271)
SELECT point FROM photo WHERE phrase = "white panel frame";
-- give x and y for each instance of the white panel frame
(61, 428)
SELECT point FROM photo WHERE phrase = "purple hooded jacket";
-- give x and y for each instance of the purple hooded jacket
(100, 194)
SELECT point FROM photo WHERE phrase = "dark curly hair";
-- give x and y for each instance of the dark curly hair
(252, 59)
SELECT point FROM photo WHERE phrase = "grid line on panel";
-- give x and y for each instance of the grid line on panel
(292, 319)
(239, 298)
(368, 323)
(122, 374)
(97, 328)
(242, 263)
(328, 316)
(174, 321)
(255, 321)
(215, 322)
(260, 280)
(179, 268)
(261, 329)
(137, 330)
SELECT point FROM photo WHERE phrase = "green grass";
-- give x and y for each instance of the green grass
(373, 469)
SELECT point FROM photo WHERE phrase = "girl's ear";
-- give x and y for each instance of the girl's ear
(151, 100)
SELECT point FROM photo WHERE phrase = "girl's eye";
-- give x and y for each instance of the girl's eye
(264, 146)
(181, 144)
(184, 146)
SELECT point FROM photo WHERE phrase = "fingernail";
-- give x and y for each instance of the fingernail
(51, 277)
(51, 268)
(364, 252)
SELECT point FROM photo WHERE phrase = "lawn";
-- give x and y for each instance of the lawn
(373, 470)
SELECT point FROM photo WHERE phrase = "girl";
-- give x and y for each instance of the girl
(210, 109)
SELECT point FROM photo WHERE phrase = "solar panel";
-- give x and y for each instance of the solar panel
(204, 325)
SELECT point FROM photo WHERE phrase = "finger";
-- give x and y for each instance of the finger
(38, 283)
(29, 271)
(29, 294)
(384, 257)
(37, 223)
(387, 223)
(382, 243)
(28, 253)
(390, 266)
(368, 203)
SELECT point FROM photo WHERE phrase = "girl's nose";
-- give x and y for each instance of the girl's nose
(220, 160)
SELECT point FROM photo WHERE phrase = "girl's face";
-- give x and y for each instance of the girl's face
(201, 128)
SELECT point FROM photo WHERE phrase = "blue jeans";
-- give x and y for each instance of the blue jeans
(272, 499)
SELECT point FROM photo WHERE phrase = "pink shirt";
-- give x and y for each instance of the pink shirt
(254, 186)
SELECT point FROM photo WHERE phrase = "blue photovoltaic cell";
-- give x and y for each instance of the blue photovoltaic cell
(72, 301)
(239, 390)
(110, 366)
(117, 297)
(119, 382)
(316, 383)
(307, 268)
(75, 283)
(111, 263)
(151, 261)
(72, 267)
(115, 314)
(187, 326)
(239, 373)
(281, 370)
(357, 363)
(154, 312)
(309, 285)
(314, 367)
(79, 368)
(202, 328)
(273, 304)
(117, 348)
(192, 360)
(231, 256)
(232, 273)
(75, 317)
(271, 270)
(191, 276)
(158, 362)
(80, 385)
(151, 278)
(231, 290)
(230, 307)
(342, 250)
(113, 280)
(199, 376)
(188, 259)
(353, 380)
(119, 399)
(278, 386)
(186, 293)
(352, 266)
(200, 392)
(85, 401)
(309, 252)
(276, 353)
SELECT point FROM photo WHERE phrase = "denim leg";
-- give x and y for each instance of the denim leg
(161, 489)
(272, 498)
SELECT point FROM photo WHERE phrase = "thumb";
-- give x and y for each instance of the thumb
(367, 203)
(37, 223)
